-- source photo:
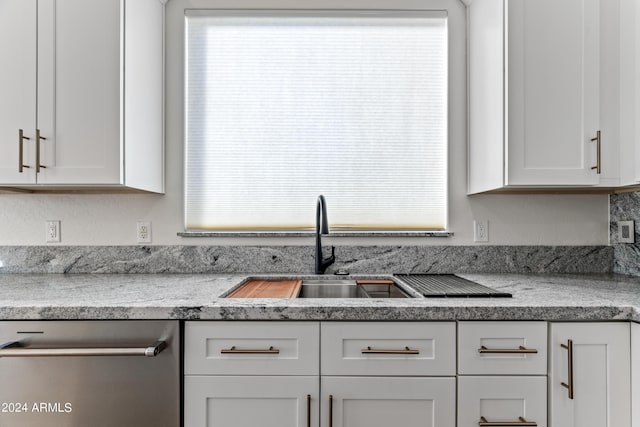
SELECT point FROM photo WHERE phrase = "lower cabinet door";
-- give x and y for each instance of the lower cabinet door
(635, 371)
(590, 375)
(501, 401)
(388, 401)
(251, 401)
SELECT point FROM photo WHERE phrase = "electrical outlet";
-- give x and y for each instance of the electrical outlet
(143, 232)
(480, 231)
(52, 231)
(625, 232)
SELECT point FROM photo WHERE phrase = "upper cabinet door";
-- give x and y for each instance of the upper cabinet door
(636, 69)
(17, 89)
(79, 91)
(543, 80)
(553, 63)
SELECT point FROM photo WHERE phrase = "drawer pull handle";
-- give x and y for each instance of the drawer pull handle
(234, 350)
(519, 350)
(569, 348)
(406, 350)
(38, 138)
(331, 410)
(484, 423)
(598, 141)
(308, 410)
(21, 139)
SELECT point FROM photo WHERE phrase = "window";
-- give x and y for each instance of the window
(282, 106)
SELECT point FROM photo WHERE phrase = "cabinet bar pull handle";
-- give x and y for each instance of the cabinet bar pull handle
(519, 350)
(21, 139)
(15, 349)
(598, 141)
(38, 138)
(406, 350)
(569, 348)
(308, 410)
(484, 423)
(331, 410)
(234, 350)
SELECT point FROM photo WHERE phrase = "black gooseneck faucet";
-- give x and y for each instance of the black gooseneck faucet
(322, 227)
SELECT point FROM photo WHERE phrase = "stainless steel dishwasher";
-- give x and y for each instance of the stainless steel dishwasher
(89, 373)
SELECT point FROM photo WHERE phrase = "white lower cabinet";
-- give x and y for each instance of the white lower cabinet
(268, 374)
(248, 374)
(387, 401)
(589, 375)
(251, 348)
(250, 401)
(291, 401)
(635, 374)
(502, 368)
(499, 401)
(502, 348)
(380, 374)
(388, 349)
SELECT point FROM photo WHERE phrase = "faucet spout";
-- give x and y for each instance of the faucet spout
(322, 227)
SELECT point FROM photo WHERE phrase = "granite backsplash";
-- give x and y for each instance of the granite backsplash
(300, 259)
(626, 256)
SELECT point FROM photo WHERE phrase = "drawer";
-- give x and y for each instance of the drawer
(502, 348)
(388, 348)
(502, 400)
(251, 348)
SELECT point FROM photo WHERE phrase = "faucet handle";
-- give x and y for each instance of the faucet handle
(330, 260)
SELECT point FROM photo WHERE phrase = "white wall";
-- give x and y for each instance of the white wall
(111, 219)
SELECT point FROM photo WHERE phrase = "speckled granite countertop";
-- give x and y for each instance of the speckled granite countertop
(180, 296)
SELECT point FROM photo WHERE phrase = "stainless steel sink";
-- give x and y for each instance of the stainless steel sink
(349, 288)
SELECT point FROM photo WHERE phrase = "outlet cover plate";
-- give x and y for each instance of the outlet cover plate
(626, 232)
(143, 232)
(52, 231)
(480, 231)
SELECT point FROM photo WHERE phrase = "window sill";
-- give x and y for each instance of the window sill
(312, 234)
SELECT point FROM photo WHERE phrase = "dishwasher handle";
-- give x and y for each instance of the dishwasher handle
(15, 349)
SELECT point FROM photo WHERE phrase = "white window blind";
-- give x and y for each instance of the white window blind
(282, 106)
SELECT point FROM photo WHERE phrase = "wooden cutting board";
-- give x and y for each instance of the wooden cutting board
(268, 289)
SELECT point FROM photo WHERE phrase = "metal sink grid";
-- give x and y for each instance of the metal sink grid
(448, 286)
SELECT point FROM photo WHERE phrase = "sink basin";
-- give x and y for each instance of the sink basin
(349, 288)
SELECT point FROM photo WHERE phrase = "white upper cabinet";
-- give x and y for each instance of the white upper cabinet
(552, 91)
(630, 91)
(539, 93)
(78, 91)
(636, 108)
(17, 90)
(91, 88)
